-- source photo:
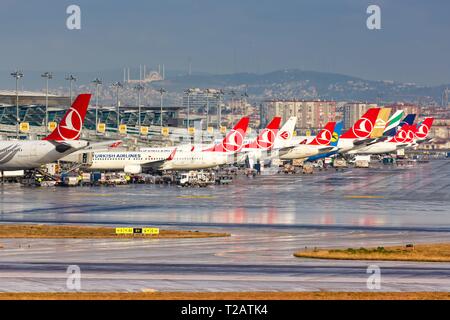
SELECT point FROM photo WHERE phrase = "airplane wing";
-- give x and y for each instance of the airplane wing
(363, 142)
(157, 164)
(327, 149)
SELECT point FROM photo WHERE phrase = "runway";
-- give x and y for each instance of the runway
(270, 217)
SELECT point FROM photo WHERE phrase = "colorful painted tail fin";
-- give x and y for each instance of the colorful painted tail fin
(393, 123)
(234, 139)
(405, 134)
(266, 137)
(391, 130)
(424, 128)
(286, 133)
(336, 134)
(409, 119)
(69, 128)
(381, 122)
(325, 135)
(364, 126)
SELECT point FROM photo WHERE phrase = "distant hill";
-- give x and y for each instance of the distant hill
(278, 84)
(310, 85)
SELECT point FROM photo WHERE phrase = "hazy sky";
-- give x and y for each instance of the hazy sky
(232, 36)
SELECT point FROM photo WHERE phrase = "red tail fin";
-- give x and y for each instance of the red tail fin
(172, 155)
(71, 124)
(266, 137)
(234, 139)
(405, 134)
(364, 126)
(325, 135)
(424, 128)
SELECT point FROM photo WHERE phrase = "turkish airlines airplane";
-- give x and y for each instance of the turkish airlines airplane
(360, 132)
(174, 158)
(31, 154)
(320, 144)
(269, 141)
(421, 135)
(407, 136)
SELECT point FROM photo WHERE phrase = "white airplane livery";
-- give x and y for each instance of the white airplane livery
(319, 145)
(173, 158)
(406, 137)
(64, 140)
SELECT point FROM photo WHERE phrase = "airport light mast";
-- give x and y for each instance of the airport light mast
(188, 92)
(47, 76)
(161, 92)
(98, 82)
(244, 97)
(233, 94)
(219, 109)
(139, 88)
(17, 75)
(207, 108)
(71, 78)
(118, 85)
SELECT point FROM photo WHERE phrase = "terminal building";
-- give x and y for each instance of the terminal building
(32, 111)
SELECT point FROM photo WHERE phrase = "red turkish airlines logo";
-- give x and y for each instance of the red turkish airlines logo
(362, 128)
(233, 142)
(285, 135)
(324, 137)
(70, 127)
(266, 139)
(401, 136)
(423, 131)
(410, 136)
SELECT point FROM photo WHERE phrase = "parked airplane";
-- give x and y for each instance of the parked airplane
(31, 154)
(393, 123)
(334, 143)
(391, 129)
(423, 129)
(270, 140)
(174, 158)
(320, 144)
(380, 123)
(360, 132)
(405, 137)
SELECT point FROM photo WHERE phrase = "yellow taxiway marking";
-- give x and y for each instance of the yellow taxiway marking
(196, 197)
(364, 197)
(149, 290)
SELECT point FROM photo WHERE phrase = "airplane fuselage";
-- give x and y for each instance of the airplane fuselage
(301, 151)
(30, 154)
(378, 148)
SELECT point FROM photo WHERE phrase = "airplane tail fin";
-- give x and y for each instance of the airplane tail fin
(409, 119)
(405, 134)
(234, 139)
(266, 137)
(424, 128)
(286, 133)
(336, 134)
(325, 135)
(364, 126)
(380, 123)
(69, 128)
(393, 123)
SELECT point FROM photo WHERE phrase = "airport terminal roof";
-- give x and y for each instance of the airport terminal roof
(25, 93)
